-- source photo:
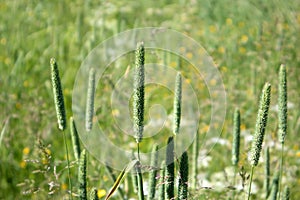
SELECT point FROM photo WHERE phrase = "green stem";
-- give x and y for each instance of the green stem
(251, 176)
(281, 168)
(138, 151)
(68, 163)
(234, 181)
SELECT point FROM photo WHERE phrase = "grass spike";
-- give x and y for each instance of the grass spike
(183, 177)
(94, 194)
(161, 189)
(177, 104)
(261, 123)
(75, 139)
(138, 96)
(236, 137)
(169, 188)
(282, 104)
(58, 95)
(89, 114)
(82, 176)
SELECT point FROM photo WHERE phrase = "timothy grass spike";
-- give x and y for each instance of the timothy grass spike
(82, 176)
(282, 104)
(89, 114)
(183, 177)
(94, 194)
(75, 139)
(169, 188)
(177, 104)
(261, 123)
(161, 189)
(153, 172)
(138, 96)
(236, 137)
(58, 95)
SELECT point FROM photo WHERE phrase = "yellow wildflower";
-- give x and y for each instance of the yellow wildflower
(22, 164)
(64, 186)
(212, 28)
(229, 21)
(244, 39)
(101, 193)
(26, 151)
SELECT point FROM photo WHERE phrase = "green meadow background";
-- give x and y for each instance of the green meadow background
(248, 40)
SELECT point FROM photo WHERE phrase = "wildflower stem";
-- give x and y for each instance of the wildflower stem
(251, 176)
(281, 168)
(68, 163)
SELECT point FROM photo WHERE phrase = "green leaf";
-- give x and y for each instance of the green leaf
(120, 178)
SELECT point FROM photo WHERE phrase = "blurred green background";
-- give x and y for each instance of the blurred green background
(248, 40)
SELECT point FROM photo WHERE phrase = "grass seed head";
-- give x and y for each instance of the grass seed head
(138, 96)
(236, 137)
(58, 95)
(261, 123)
(282, 104)
(90, 101)
(177, 104)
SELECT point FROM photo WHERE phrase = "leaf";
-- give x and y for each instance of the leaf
(120, 178)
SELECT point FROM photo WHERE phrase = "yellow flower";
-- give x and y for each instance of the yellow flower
(188, 81)
(22, 164)
(242, 50)
(101, 193)
(115, 112)
(3, 41)
(241, 24)
(48, 151)
(25, 83)
(45, 161)
(204, 129)
(298, 154)
(173, 64)
(243, 127)
(189, 55)
(26, 151)
(244, 39)
(212, 28)
(224, 69)
(18, 105)
(221, 50)
(213, 82)
(229, 21)
(64, 186)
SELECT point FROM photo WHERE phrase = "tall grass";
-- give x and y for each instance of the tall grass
(267, 172)
(261, 123)
(183, 177)
(75, 139)
(60, 110)
(161, 189)
(138, 95)
(177, 103)
(90, 100)
(82, 181)
(282, 115)
(153, 172)
(169, 187)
